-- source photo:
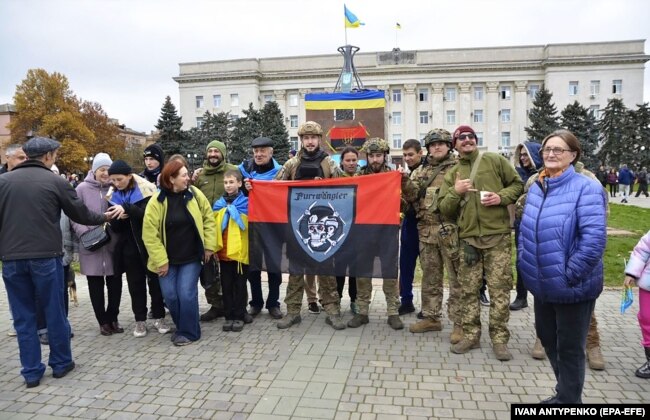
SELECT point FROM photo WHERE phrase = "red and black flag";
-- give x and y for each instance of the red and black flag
(339, 226)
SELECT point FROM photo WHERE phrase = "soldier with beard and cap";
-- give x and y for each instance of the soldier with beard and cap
(438, 235)
(209, 180)
(311, 162)
(154, 160)
(376, 150)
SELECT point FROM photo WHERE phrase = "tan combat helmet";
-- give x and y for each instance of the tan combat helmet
(375, 145)
(437, 135)
(310, 127)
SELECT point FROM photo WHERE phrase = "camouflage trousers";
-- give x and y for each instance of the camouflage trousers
(434, 258)
(496, 264)
(310, 288)
(364, 294)
(326, 289)
(214, 295)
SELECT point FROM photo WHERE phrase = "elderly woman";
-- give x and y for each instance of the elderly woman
(179, 232)
(560, 256)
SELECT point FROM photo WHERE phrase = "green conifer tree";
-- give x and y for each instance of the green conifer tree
(543, 117)
(273, 127)
(581, 122)
(169, 124)
(614, 127)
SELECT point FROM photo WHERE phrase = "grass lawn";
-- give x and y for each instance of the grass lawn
(635, 220)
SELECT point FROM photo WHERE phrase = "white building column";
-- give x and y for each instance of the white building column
(302, 112)
(281, 100)
(437, 106)
(465, 104)
(491, 136)
(519, 113)
(410, 110)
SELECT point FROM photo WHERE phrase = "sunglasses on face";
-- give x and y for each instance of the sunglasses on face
(467, 136)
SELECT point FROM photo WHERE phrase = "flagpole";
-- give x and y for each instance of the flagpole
(346, 33)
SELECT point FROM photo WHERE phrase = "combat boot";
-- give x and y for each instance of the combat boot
(358, 320)
(456, 334)
(465, 345)
(289, 320)
(644, 371)
(595, 358)
(426, 325)
(395, 322)
(335, 321)
(501, 352)
(538, 350)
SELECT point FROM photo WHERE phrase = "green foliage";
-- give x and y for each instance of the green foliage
(170, 124)
(273, 127)
(215, 127)
(245, 129)
(640, 147)
(615, 131)
(577, 119)
(543, 116)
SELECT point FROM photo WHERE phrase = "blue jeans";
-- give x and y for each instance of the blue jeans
(562, 329)
(180, 290)
(257, 298)
(28, 282)
(409, 250)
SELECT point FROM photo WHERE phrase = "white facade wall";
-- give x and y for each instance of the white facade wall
(506, 75)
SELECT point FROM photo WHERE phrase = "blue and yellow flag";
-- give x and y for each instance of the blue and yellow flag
(398, 26)
(351, 21)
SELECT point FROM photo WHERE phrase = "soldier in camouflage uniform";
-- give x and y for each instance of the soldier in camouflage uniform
(477, 192)
(376, 150)
(310, 163)
(438, 235)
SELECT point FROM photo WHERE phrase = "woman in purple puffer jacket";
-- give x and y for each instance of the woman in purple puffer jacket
(638, 271)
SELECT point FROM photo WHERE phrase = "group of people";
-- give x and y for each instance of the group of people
(625, 178)
(168, 228)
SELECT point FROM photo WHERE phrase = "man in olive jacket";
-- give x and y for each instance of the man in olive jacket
(210, 181)
(477, 191)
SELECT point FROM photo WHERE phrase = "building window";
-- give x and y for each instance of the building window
(293, 121)
(422, 136)
(233, 118)
(617, 87)
(293, 99)
(234, 99)
(532, 91)
(216, 101)
(478, 93)
(343, 114)
(294, 143)
(397, 141)
(506, 92)
(397, 118)
(451, 117)
(478, 115)
(424, 117)
(594, 88)
(397, 95)
(573, 88)
(199, 122)
(450, 94)
(423, 95)
(479, 138)
(268, 98)
(505, 139)
(595, 111)
(505, 115)
(199, 101)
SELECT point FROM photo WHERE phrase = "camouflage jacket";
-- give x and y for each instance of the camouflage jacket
(288, 171)
(425, 199)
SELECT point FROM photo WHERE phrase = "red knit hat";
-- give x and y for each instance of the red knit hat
(462, 129)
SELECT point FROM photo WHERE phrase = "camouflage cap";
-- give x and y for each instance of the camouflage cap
(310, 127)
(375, 145)
(437, 135)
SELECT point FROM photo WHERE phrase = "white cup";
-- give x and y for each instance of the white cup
(484, 195)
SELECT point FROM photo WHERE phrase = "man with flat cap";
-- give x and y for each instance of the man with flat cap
(262, 166)
(31, 200)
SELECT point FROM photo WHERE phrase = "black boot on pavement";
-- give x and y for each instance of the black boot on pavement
(518, 304)
(644, 371)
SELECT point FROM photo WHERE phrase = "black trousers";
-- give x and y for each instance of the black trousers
(233, 282)
(643, 189)
(352, 287)
(563, 328)
(137, 278)
(105, 313)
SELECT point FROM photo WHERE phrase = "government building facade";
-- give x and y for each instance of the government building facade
(490, 89)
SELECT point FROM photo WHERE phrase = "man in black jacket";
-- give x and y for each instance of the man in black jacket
(31, 200)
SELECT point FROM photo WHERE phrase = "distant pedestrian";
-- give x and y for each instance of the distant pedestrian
(612, 181)
(642, 180)
(625, 179)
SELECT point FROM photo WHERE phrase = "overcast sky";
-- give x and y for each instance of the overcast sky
(124, 53)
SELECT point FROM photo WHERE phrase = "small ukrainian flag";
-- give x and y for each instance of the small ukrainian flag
(398, 26)
(351, 21)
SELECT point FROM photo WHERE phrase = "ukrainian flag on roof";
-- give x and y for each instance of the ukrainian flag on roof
(367, 99)
(351, 20)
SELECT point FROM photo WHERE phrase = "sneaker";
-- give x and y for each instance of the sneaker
(406, 308)
(354, 308)
(182, 341)
(227, 326)
(275, 312)
(140, 329)
(12, 332)
(288, 321)
(483, 299)
(43, 339)
(161, 326)
(314, 308)
(358, 320)
(237, 326)
(254, 311)
(212, 314)
(395, 322)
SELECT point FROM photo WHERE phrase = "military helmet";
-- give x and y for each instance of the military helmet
(310, 127)
(375, 145)
(438, 135)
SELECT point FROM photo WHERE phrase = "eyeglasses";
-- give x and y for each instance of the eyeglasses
(467, 136)
(557, 151)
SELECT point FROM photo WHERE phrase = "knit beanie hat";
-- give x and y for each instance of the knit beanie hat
(216, 144)
(119, 167)
(462, 129)
(156, 152)
(101, 159)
